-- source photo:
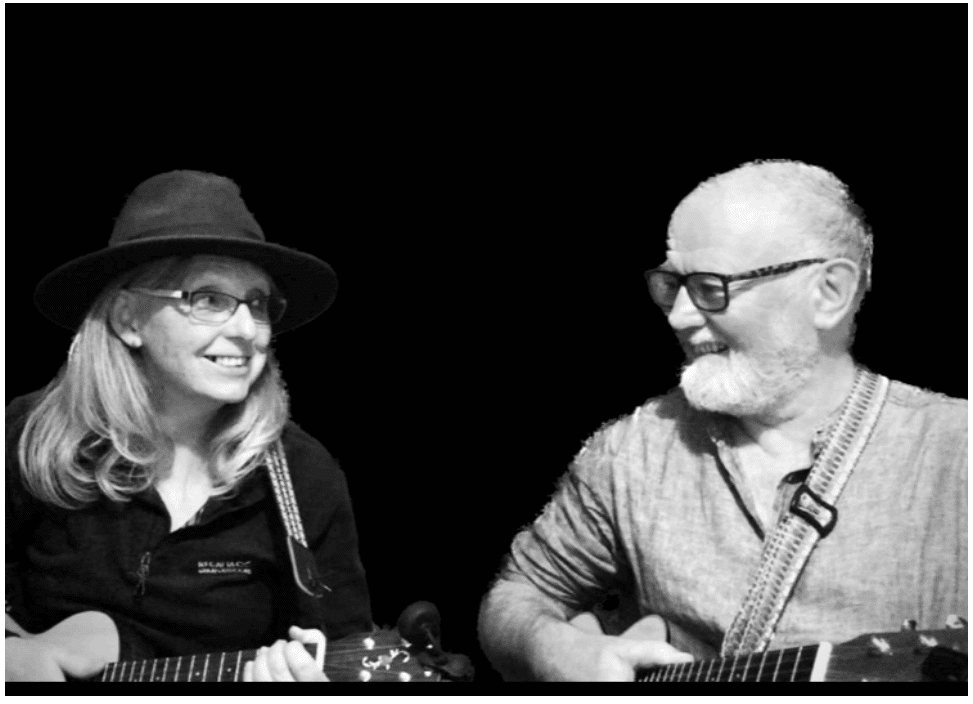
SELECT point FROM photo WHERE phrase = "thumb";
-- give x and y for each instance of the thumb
(642, 653)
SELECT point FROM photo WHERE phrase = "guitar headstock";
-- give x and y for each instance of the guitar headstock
(382, 656)
(902, 656)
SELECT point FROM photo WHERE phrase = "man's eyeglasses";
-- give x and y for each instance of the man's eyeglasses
(217, 307)
(708, 291)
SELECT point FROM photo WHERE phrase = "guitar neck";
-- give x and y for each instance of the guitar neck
(210, 667)
(803, 664)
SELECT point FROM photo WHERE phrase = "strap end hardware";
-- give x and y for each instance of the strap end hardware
(810, 506)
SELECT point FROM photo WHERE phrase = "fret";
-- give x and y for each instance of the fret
(746, 667)
(189, 675)
(165, 669)
(176, 674)
(710, 670)
(763, 660)
(219, 674)
(205, 667)
(797, 659)
(733, 668)
(109, 673)
(719, 674)
(142, 672)
(683, 670)
(236, 675)
(152, 674)
(780, 656)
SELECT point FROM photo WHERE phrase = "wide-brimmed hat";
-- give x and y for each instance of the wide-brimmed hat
(185, 213)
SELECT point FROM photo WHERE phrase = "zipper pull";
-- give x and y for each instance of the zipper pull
(143, 573)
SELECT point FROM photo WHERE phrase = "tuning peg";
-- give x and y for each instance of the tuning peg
(420, 623)
(954, 621)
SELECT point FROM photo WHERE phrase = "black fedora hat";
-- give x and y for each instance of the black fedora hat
(184, 213)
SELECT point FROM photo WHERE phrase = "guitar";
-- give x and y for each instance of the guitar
(368, 657)
(901, 656)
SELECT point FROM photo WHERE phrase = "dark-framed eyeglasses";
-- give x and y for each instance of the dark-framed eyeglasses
(216, 307)
(707, 290)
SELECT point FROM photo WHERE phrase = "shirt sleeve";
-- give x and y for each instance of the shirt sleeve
(571, 551)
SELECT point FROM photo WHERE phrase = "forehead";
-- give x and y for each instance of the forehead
(730, 229)
(212, 269)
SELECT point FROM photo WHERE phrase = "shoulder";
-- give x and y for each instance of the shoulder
(645, 432)
(311, 465)
(17, 412)
(923, 409)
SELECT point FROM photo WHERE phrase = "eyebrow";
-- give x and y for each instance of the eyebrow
(253, 292)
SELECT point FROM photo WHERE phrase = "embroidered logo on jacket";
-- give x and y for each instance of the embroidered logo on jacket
(225, 567)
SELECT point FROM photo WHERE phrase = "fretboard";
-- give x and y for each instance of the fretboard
(787, 665)
(211, 667)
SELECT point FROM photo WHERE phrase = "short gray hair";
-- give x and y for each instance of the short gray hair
(818, 200)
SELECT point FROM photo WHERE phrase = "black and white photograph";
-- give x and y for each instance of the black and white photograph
(361, 366)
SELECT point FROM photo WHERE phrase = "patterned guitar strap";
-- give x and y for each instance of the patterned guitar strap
(811, 517)
(305, 568)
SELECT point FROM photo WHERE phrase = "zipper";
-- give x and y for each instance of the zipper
(143, 573)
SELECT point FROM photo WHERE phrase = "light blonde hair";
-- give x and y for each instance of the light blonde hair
(95, 431)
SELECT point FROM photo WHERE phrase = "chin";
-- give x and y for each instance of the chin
(735, 385)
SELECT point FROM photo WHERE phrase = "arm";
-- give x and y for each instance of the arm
(526, 635)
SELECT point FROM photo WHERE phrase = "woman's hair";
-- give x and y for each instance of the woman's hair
(95, 430)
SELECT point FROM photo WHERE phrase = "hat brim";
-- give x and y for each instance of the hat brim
(308, 283)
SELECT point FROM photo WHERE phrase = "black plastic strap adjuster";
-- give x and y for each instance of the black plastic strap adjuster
(813, 509)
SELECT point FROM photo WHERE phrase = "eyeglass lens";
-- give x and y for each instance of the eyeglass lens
(215, 307)
(705, 290)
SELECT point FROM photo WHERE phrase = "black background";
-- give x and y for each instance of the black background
(489, 204)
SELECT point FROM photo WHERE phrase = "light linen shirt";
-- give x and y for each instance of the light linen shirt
(655, 505)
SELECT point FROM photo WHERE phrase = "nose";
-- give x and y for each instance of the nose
(241, 324)
(684, 313)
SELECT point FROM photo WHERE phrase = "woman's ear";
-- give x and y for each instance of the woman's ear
(836, 294)
(124, 320)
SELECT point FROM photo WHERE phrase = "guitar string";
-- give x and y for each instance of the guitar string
(246, 655)
(792, 662)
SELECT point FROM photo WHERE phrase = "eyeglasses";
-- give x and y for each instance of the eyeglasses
(708, 291)
(217, 307)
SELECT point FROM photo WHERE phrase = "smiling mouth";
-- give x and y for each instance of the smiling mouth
(226, 361)
(708, 348)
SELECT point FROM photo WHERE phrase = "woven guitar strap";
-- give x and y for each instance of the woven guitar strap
(812, 515)
(302, 559)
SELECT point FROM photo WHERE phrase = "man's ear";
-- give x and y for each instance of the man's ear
(124, 321)
(837, 292)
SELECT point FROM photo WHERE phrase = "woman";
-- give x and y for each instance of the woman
(137, 482)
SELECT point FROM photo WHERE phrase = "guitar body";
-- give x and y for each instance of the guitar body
(368, 657)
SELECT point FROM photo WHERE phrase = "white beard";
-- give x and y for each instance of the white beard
(750, 384)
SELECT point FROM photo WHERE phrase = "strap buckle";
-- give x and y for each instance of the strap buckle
(812, 508)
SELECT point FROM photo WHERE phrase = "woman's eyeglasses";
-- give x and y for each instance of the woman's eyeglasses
(218, 307)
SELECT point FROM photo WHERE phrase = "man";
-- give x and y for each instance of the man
(692, 504)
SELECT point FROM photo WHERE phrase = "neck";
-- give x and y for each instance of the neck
(794, 425)
(186, 423)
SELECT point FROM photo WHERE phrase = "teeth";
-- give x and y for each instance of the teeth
(229, 361)
(709, 348)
